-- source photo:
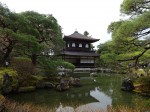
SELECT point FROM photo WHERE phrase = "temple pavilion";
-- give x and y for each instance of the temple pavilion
(79, 51)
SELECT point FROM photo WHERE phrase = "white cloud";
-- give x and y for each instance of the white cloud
(91, 15)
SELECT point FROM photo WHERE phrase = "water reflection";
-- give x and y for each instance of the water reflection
(106, 91)
(103, 101)
(79, 95)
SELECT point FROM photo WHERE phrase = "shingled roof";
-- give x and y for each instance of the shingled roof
(78, 36)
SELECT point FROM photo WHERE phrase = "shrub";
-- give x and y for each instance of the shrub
(68, 65)
(22, 65)
(25, 69)
(65, 64)
(48, 66)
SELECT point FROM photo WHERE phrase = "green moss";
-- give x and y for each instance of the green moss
(26, 89)
(38, 77)
(138, 72)
(11, 73)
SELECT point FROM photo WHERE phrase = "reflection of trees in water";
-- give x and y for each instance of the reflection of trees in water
(79, 95)
(111, 87)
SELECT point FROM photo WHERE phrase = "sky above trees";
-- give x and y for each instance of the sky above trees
(93, 16)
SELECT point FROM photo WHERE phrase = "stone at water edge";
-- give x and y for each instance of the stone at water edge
(63, 85)
(49, 85)
(127, 85)
(75, 82)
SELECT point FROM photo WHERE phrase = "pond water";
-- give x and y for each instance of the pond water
(97, 93)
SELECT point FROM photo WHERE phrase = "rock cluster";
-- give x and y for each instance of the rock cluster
(65, 83)
(58, 83)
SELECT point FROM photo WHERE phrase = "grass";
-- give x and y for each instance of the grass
(13, 106)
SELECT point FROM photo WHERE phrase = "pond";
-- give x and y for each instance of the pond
(98, 93)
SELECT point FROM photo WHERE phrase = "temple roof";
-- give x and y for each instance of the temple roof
(78, 36)
(77, 53)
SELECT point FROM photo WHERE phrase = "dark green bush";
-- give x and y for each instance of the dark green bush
(65, 64)
(25, 69)
(22, 65)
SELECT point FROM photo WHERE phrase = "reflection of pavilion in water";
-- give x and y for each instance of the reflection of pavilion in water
(102, 101)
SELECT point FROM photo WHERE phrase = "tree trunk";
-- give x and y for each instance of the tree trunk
(34, 59)
(34, 62)
(7, 54)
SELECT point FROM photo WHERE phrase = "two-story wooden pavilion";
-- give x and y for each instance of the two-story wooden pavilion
(78, 50)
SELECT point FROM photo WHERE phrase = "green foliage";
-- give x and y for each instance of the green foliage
(128, 6)
(135, 6)
(127, 55)
(28, 34)
(130, 37)
(108, 55)
(45, 29)
(50, 65)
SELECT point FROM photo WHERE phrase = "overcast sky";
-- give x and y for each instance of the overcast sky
(93, 16)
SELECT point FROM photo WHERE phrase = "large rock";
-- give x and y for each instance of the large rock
(49, 85)
(64, 85)
(40, 84)
(75, 82)
(127, 85)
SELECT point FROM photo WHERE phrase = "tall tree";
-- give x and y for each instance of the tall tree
(133, 34)
(10, 31)
(46, 31)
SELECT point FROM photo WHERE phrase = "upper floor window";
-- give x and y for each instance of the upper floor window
(73, 45)
(68, 45)
(80, 45)
(87, 46)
